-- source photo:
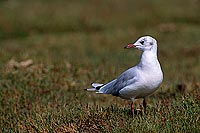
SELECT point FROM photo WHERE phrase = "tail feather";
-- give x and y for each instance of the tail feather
(96, 86)
(102, 88)
(91, 89)
(99, 92)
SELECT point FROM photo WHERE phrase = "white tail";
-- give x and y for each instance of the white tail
(101, 88)
(96, 86)
(91, 89)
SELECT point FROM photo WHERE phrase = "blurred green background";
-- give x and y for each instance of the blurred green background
(72, 43)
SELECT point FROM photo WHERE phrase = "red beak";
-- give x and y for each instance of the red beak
(129, 46)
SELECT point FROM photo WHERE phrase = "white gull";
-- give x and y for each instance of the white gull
(140, 80)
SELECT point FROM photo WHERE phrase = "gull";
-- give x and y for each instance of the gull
(138, 81)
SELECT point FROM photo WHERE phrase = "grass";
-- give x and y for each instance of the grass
(74, 43)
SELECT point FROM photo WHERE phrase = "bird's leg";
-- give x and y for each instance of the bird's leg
(144, 105)
(132, 106)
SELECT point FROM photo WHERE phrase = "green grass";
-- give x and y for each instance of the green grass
(74, 43)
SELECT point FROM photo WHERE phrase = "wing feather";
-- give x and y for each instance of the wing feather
(125, 79)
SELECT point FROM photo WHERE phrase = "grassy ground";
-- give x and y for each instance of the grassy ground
(51, 50)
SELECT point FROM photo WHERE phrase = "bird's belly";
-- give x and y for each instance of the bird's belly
(136, 93)
(140, 89)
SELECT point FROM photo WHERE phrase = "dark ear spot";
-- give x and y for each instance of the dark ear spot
(151, 43)
(142, 42)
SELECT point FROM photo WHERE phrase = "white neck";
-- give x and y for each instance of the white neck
(149, 59)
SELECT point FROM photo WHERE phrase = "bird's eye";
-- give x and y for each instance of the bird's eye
(142, 42)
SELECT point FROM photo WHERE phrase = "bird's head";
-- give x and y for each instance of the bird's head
(144, 43)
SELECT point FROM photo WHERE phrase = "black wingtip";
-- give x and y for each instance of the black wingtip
(98, 87)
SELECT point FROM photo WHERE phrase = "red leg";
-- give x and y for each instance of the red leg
(144, 105)
(132, 106)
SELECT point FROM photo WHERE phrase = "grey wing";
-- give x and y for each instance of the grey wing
(122, 81)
